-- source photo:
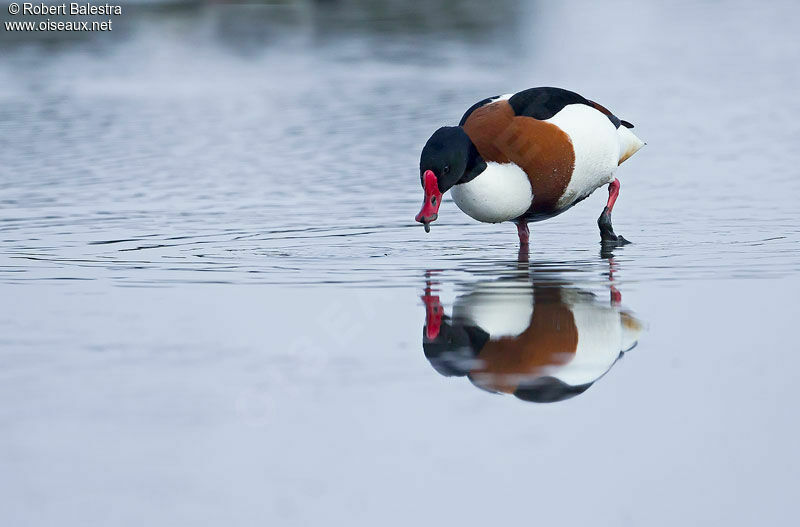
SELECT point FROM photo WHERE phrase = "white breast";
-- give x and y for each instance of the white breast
(502, 192)
(501, 308)
(597, 150)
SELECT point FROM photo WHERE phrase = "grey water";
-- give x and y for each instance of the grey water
(216, 307)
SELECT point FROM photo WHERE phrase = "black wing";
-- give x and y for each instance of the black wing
(544, 103)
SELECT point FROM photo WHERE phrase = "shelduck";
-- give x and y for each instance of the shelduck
(544, 342)
(527, 157)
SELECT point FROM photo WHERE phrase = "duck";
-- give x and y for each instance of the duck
(542, 341)
(526, 157)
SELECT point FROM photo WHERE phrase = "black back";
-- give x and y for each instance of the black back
(543, 103)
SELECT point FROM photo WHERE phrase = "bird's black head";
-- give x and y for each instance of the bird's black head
(448, 158)
(454, 349)
(446, 154)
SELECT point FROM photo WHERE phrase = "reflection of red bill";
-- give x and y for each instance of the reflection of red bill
(433, 315)
(433, 198)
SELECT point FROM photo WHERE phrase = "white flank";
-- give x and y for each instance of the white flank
(629, 144)
(502, 192)
(599, 340)
(597, 150)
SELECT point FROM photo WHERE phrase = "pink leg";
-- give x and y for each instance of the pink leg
(523, 256)
(523, 232)
(604, 221)
(616, 296)
(613, 192)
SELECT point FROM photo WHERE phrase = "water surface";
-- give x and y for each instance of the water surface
(217, 307)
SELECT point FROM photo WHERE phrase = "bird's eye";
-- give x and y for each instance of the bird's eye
(446, 169)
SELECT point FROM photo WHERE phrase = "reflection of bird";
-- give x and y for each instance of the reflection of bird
(526, 157)
(543, 342)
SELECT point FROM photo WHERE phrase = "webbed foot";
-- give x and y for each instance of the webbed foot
(607, 235)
